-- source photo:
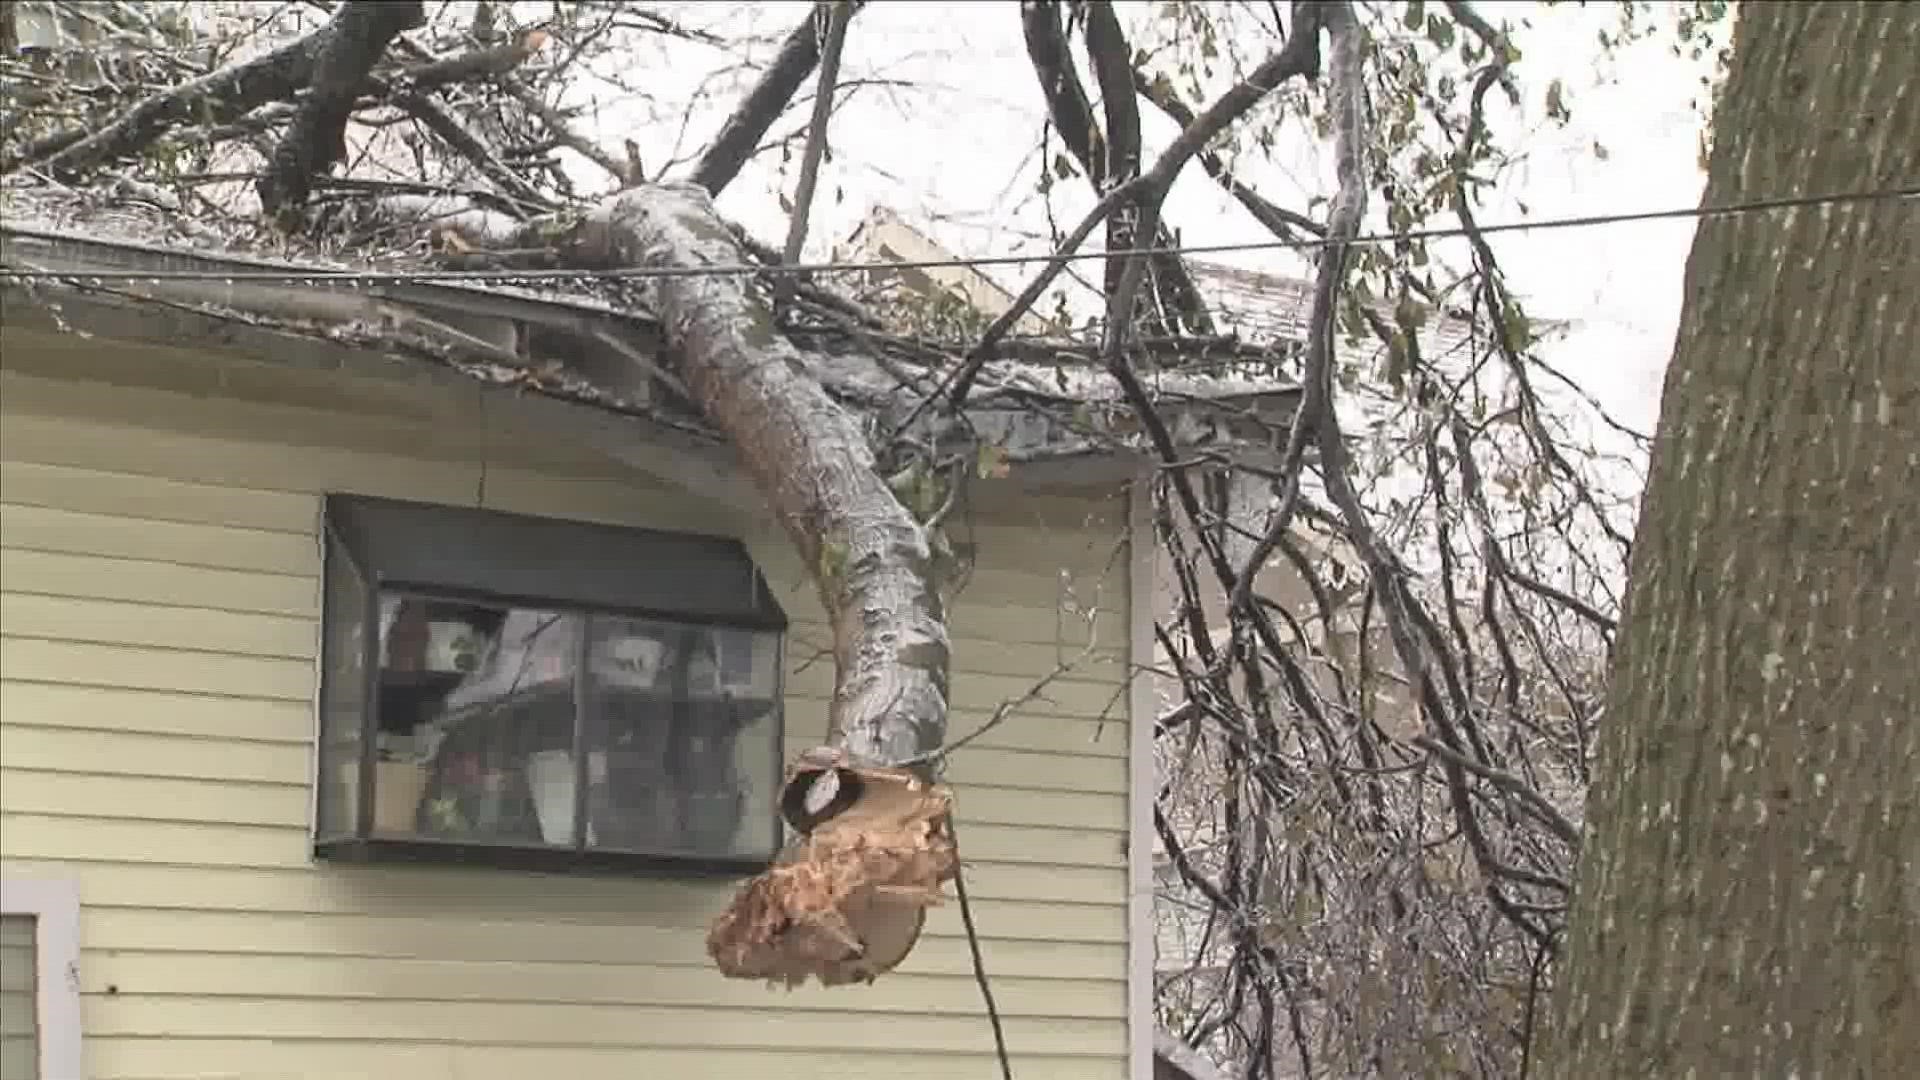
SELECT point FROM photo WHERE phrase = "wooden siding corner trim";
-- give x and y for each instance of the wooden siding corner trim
(55, 907)
(1141, 708)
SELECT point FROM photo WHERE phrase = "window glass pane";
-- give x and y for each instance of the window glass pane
(19, 1031)
(476, 722)
(682, 731)
(342, 693)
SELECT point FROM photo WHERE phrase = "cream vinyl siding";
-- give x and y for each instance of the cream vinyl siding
(19, 1050)
(158, 624)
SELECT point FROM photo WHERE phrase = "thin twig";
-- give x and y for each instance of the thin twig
(837, 16)
(980, 966)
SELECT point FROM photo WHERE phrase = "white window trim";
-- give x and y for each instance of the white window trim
(1141, 707)
(55, 907)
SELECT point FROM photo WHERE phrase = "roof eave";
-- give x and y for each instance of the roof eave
(326, 325)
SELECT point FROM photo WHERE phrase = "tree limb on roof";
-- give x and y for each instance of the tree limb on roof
(225, 96)
(316, 139)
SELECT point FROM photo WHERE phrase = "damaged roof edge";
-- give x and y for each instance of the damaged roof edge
(479, 335)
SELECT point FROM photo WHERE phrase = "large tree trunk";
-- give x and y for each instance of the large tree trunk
(847, 900)
(1746, 896)
(872, 560)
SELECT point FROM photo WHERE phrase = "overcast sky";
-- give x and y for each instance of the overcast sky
(954, 151)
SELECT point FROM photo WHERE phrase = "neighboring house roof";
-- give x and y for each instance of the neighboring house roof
(884, 235)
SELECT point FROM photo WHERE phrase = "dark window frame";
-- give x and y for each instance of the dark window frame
(502, 559)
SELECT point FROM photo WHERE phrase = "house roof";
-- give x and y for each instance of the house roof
(587, 343)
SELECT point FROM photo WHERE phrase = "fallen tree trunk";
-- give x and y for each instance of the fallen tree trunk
(847, 900)
(872, 561)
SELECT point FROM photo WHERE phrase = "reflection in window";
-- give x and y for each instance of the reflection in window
(343, 694)
(483, 709)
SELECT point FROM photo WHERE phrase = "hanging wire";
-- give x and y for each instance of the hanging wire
(642, 273)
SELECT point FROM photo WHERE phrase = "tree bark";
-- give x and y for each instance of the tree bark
(1745, 897)
(872, 560)
(316, 139)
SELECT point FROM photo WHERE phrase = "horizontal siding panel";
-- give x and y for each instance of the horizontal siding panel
(224, 975)
(147, 582)
(107, 753)
(286, 805)
(102, 708)
(156, 669)
(45, 704)
(197, 627)
(81, 794)
(155, 498)
(175, 1058)
(507, 897)
(532, 1024)
(996, 642)
(288, 763)
(146, 668)
(243, 463)
(278, 750)
(311, 469)
(74, 532)
(155, 840)
(538, 938)
(158, 626)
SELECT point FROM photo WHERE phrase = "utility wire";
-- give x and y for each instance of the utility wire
(641, 273)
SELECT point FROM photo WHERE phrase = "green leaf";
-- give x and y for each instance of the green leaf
(1519, 328)
(1416, 13)
(1440, 30)
(993, 463)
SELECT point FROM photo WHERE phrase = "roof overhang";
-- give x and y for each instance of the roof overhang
(566, 368)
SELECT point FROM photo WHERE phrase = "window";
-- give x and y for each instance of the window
(529, 692)
(39, 980)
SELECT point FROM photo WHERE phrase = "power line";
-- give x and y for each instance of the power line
(641, 273)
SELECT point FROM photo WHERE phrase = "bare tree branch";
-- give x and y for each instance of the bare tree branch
(1300, 56)
(769, 98)
(316, 138)
(456, 135)
(1112, 157)
(218, 97)
(817, 129)
(1284, 224)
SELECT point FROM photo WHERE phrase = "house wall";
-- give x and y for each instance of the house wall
(158, 620)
